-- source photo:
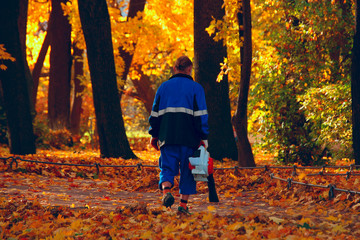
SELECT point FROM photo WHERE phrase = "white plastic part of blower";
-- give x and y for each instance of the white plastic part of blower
(200, 163)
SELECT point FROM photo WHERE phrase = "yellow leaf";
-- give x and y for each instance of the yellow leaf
(61, 233)
(305, 220)
(146, 235)
(60, 218)
(302, 176)
(76, 224)
(208, 217)
(183, 225)
(235, 226)
(254, 178)
(332, 218)
(338, 228)
(227, 194)
(211, 208)
(168, 229)
(220, 77)
(276, 220)
(287, 25)
(233, 176)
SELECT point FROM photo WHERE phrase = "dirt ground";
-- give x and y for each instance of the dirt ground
(81, 193)
(96, 194)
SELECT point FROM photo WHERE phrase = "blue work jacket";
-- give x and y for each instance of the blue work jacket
(179, 113)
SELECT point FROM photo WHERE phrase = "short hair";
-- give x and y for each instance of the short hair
(182, 63)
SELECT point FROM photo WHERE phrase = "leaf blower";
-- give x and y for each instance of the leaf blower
(202, 167)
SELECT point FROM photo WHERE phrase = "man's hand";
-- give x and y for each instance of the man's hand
(154, 143)
(204, 143)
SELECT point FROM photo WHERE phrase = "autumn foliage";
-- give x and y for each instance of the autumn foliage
(300, 84)
(299, 104)
(39, 201)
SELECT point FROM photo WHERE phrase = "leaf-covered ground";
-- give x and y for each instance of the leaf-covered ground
(46, 201)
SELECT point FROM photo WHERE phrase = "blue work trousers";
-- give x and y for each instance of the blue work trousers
(175, 158)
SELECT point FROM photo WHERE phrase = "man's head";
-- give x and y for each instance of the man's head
(183, 65)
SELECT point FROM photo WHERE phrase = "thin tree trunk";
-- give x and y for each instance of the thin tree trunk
(75, 117)
(135, 6)
(14, 84)
(60, 69)
(95, 21)
(38, 66)
(355, 87)
(143, 86)
(145, 92)
(245, 155)
(208, 56)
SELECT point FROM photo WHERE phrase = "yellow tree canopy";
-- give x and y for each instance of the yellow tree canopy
(161, 33)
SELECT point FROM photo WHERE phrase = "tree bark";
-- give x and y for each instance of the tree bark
(22, 23)
(355, 87)
(245, 155)
(95, 21)
(60, 69)
(143, 86)
(14, 84)
(75, 117)
(38, 66)
(208, 56)
(145, 92)
(135, 6)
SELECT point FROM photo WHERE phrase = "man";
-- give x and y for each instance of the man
(178, 125)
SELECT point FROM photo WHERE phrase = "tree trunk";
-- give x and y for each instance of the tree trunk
(208, 56)
(135, 6)
(143, 86)
(38, 66)
(78, 89)
(14, 84)
(355, 87)
(145, 92)
(22, 23)
(60, 69)
(245, 155)
(95, 21)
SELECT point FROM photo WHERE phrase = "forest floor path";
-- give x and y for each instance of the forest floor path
(79, 193)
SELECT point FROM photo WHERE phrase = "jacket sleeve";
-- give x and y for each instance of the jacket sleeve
(154, 117)
(201, 114)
